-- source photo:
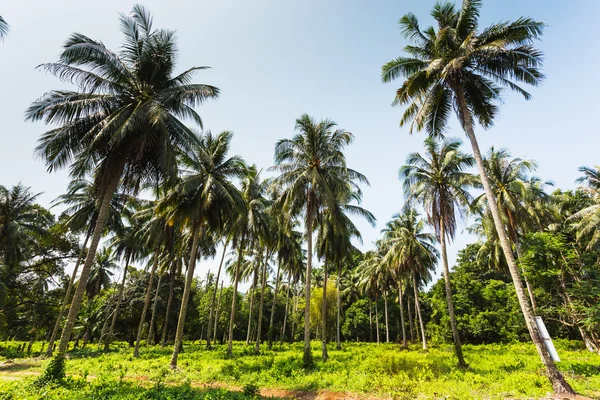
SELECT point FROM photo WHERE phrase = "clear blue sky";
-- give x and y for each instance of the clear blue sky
(275, 60)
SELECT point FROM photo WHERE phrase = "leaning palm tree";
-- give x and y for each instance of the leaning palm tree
(4, 28)
(461, 66)
(82, 211)
(206, 198)
(439, 181)
(313, 171)
(123, 121)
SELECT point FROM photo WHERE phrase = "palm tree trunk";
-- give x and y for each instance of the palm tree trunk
(89, 259)
(296, 300)
(338, 343)
(186, 296)
(262, 303)
(449, 301)
(251, 292)
(217, 312)
(214, 296)
(65, 301)
(308, 360)
(418, 307)
(410, 320)
(324, 355)
(118, 306)
(401, 305)
(527, 284)
(287, 302)
(387, 328)
(377, 318)
(151, 335)
(136, 350)
(163, 339)
(236, 278)
(370, 320)
(558, 382)
(272, 319)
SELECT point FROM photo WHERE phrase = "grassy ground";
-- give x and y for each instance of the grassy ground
(363, 370)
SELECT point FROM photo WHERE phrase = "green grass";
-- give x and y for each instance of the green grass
(496, 371)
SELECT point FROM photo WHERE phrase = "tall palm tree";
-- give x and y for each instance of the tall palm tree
(206, 198)
(412, 252)
(82, 209)
(336, 230)
(372, 272)
(124, 119)
(440, 183)
(313, 171)
(464, 66)
(4, 28)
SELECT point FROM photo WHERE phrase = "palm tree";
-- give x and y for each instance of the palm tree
(124, 119)
(521, 200)
(413, 254)
(81, 202)
(588, 218)
(313, 172)
(372, 271)
(439, 182)
(101, 273)
(334, 245)
(4, 28)
(206, 198)
(462, 66)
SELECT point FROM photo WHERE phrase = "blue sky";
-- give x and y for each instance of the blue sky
(274, 60)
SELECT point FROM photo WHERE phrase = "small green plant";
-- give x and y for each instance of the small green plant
(251, 390)
(54, 373)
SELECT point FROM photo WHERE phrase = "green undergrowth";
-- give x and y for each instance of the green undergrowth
(496, 371)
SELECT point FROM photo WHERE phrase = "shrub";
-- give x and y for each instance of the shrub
(251, 390)
(55, 372)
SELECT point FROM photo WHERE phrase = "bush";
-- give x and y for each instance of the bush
(251, 390)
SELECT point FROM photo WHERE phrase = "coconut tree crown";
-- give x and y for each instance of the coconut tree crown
(455, 57)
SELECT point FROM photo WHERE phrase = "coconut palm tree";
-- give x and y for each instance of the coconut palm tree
(463, 66)
(313, 171)
(4, 28)
(206, 198)
(372, 280)
(336, 230)
(522, 201)
(439, 181)
(82, 210)
(410, 253)
(101, 273)
(588, 218)
(124, 119)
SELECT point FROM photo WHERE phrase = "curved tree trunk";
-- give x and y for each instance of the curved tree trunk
(272, 319)
(449, 301)
(186, 297)
(65, 301)
(287, 302)
(151, 335)
(214, 297)
(89, 259)
(338, 343)
(118, 306)
(559, 384)
(324, 316)
(527, 284)
(401, 305)
(163, 339)
(236, 279)
(418, 307)
(217, 312)
(136, 350)
(262, 303)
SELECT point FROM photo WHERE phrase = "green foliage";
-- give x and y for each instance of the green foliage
(251, 390)
(55, 372)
